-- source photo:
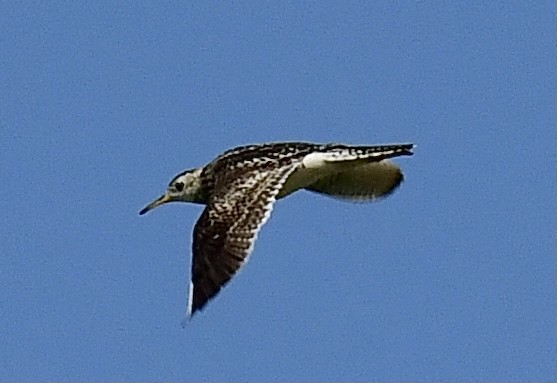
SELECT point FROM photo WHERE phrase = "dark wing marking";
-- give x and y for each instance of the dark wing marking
(342, 153)
(224, 235)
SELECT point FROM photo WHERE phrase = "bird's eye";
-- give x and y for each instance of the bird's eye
(179, 186)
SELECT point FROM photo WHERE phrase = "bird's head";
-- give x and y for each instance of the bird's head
(185, 187)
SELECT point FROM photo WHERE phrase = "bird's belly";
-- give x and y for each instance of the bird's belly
(300, 179)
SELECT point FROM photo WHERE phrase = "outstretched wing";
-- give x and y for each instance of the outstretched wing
(224, 235)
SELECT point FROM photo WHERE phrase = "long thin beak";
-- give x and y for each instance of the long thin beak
(156, 203)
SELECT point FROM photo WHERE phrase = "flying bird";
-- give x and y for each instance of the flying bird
(241, 185)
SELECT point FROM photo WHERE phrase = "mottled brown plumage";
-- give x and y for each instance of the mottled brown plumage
(241, 185)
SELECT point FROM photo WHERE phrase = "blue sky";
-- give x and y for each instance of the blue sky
(452, 278)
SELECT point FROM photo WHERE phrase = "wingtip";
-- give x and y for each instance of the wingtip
(189, 312)
(185, 320)
(409, 149)
(187, 317)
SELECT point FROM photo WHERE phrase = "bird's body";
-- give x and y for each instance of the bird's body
(241, 185)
